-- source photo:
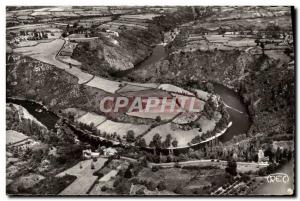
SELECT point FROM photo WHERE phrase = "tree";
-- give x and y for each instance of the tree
(179, 189)
(103, 188)
(141, 142)
(210, 87)
(71, 117)
(231, 167)
(262, 47)
(130, 136)
(128, 173)
(167, 142)
(64, 34)
(154, 168)
(161, 186)
(269, 152)
(175, 143)
(75, 25)
(156, 142)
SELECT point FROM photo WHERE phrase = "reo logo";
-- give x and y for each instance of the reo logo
(278, 178)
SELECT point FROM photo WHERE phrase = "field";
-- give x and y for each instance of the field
(26, 43)
(14, 137)
(130, 87)
(121, 129)
(90, 117)
(110, 172)
(142, 17)
(258, 23)
(153, 115)
(104, 84)
(188, 103)
(209, 125)
(162, 110)
(183, 137)
(107, 126)
(147, 85)
(182, 178)
(175, 89)
(85, 178)
(147, 93)
(186, 117)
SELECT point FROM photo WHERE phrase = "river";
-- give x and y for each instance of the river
(237, 110)
(158, 52)
(37, 110)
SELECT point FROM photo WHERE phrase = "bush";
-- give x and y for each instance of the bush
(161, 186)
(103, 188)
(150, 185)
(140, 192)
(128, 173)
(245, 177)
(178, 189)
(158, 119)
(154, 169)
(231, 168)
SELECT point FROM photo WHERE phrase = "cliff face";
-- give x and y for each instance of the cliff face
(31, 79)
(269, 90)
(115, 53)
(226, 67)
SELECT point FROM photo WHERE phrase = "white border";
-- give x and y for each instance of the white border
(116, 2)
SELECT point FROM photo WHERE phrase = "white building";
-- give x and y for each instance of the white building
(88, 154)
(109, 152)
(261, 156)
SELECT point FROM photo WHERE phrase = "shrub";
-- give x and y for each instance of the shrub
(155, 168)
(178, 189)
(128, 173)
(140, 192)
(161, 186)
(103, 188)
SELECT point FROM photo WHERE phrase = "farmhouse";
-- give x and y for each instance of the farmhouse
(109, 152)
(88, 154)
(261, 156)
